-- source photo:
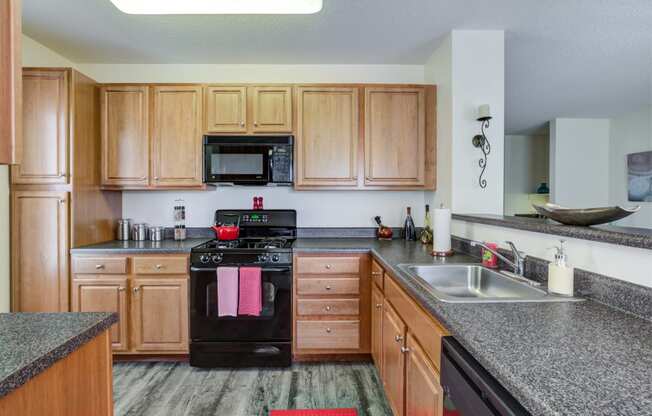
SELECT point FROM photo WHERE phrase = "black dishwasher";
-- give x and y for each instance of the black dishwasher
(469, 390)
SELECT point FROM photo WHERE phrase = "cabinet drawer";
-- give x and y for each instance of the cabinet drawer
(161, 265)
(328, 335)
(377, 275)
(328, 286)
(99, 265)
(328, 307)
(328, 265)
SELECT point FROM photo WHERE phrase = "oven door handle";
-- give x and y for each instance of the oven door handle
(264, 269)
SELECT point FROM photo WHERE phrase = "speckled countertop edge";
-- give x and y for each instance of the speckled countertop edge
(624, 236)
(45, 361)
(140, 247)
(538, 402)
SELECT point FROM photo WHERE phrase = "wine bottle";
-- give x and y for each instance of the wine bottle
(426, 233)
(409, 231)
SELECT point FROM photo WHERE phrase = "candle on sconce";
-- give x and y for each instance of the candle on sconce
(484, 112)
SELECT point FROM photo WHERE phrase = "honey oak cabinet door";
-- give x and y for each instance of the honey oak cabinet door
(11, 94)
(39, 251)
(377, 327)
(177, 136)
(393, 336)
(423, 393)
(125, 136)
(159, 313)
(395, 136)
(45, 128)
(104, 294)
(327, 136)
(226, 109)
(272, 109)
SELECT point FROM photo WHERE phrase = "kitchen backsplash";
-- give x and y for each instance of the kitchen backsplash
(314, 209)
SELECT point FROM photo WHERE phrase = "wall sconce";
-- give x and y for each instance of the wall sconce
(481, 141)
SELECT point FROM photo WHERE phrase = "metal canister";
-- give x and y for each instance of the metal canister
(124, 229)
(139, 232)
(156, 233)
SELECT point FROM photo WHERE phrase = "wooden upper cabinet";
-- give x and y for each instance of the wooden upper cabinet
(159, 313)
(104, 294)
(177, 136)
(125, 136)
(45, 128)
(271, 109)
(226, 109)
(10, 82)
(39, 251)
(327, 136)
(395, 136)
(423, 393)
(393, 336)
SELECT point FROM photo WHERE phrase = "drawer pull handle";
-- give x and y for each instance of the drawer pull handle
(379, 305)
(405, 350)
(328, 330)
(328, 308)
(99, 266)
(328, 287)
(398, 338)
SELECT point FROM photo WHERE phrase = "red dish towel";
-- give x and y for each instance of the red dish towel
(251, 300)
(316, 412)
(227, 291)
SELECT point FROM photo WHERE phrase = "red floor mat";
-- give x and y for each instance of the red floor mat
(315, 412)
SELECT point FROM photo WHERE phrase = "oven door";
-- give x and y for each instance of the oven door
(273, 324)
(240, 163)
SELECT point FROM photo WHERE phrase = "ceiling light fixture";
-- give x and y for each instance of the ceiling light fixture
(218, 6)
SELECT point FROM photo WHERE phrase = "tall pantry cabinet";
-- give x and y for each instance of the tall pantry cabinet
(56, 201)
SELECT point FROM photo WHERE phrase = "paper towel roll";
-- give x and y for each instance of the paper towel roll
(442, 240)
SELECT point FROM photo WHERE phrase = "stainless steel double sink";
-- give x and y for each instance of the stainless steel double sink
(472, 283)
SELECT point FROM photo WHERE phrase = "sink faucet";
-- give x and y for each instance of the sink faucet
(519, 257)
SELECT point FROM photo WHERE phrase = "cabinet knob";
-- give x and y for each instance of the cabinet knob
(121, 289)
(62, 175)
(159, 266)
(398, 338)
(328, 266)
(62, 201)
(242, 123)
(379, 305)
(405, 350)
(376, 273)
(99, 266)
(328, 287)
(156, 178)
(256, 123)
(328, 330)
(137, 289)
(328, 308)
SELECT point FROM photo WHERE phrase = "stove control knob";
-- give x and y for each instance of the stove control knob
(263, 258)
(217, 258)
(275, 258)
(204, 258)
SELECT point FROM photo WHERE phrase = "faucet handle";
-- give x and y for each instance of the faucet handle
(517, 253)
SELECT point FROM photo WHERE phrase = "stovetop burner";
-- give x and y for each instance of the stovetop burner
(247, 243)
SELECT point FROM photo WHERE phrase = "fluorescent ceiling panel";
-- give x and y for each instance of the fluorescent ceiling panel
(218, 6)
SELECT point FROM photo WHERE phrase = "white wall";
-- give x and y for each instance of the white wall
(620, 262)
(35, 54)
(526, 167)
(630, 133)
(579, 162)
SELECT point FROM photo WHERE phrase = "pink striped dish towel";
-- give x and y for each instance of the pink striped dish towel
(227, 291)
(251, 302)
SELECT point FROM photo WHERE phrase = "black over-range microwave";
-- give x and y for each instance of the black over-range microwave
(249, 160)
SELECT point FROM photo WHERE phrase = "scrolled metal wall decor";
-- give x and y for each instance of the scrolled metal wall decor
(480, 141)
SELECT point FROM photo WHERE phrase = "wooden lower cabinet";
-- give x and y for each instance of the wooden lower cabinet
(423, 393)
(152, 304)
(410, 373)
(159, 311)
(104, 294)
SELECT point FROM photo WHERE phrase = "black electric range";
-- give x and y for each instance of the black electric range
(266, 238)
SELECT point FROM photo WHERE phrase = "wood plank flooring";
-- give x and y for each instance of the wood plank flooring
(176, 389)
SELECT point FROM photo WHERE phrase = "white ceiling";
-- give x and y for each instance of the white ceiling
(570, 58)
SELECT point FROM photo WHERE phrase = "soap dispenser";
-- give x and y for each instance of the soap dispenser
(560, 274)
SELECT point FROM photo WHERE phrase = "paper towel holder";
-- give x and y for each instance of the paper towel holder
(480, 141)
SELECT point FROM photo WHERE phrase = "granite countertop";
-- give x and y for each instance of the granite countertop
(140, 247)
(32, 342)
(568, 358)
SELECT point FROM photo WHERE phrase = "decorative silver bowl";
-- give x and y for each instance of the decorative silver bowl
(584, 217)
